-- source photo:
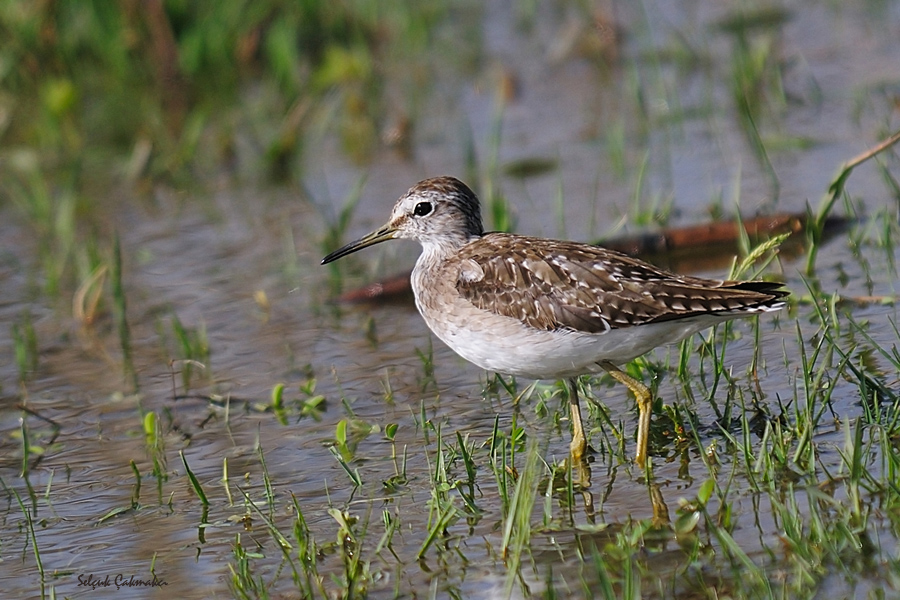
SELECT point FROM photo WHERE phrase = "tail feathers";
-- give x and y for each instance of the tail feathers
(773, 289)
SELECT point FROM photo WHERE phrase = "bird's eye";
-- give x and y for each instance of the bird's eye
(422, 209)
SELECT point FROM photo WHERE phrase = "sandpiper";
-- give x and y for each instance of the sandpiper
(548, 309)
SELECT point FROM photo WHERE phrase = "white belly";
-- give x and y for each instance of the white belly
(505, 345)
(508, 346)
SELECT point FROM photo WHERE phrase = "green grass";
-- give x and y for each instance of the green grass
(820, 532)
(782, 494)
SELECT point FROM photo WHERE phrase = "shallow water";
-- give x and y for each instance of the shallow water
(203, 259)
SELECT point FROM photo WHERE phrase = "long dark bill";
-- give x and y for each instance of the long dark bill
(376, 237)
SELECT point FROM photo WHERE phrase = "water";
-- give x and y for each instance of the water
(204, 259)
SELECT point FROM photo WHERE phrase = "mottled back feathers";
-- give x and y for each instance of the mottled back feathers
(550, 285)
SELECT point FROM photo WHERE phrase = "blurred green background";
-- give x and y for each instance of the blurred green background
(162, 89)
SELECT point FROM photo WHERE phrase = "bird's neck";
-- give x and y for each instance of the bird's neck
(446, 246)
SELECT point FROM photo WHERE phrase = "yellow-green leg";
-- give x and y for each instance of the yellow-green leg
(581, 471)
(578, 447)
(660, 510)
(645, 406)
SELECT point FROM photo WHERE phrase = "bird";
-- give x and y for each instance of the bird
(540, 308)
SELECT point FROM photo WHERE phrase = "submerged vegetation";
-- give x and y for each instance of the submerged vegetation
(267, 443)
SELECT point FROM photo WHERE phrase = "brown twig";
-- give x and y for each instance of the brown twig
(694, 244)
(817, 226)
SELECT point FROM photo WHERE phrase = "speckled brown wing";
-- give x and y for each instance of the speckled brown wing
(551, 285)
